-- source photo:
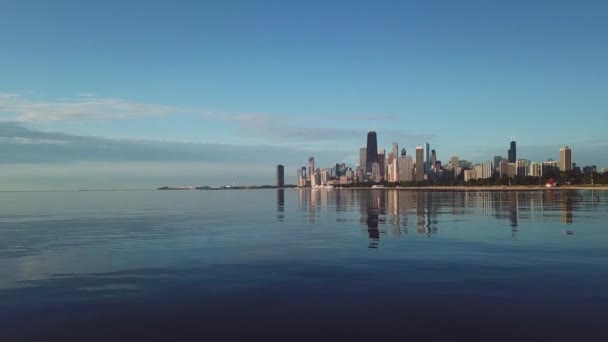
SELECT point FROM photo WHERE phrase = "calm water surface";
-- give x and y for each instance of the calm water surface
(304, 265)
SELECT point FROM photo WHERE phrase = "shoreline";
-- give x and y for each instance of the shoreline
(421, 188)
(480, 188)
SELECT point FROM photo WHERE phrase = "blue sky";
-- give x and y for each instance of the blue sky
(285, 79)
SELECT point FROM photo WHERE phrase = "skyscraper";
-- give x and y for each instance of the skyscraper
(497, 160)
(522, 167)
(433, 159)
(362, 158)
(393, 171)
(455, 165)
(478, 171)
(372, 150)
(428, 153)
(504, 167)
(535, 170)
(280, 176)
(419, 164)
(311, 168)
(549, 168)
(302, 176)
(376, 176)
(486, 170)
(394, 154)
(403, 152)
(406, 168)
(565, 159)
(382, 164)
(513, 152)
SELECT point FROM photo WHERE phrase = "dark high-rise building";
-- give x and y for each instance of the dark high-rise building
(419, 164)
(497, 160)
(512, 153)
(372, 150)
(280, 176)
(403, 152)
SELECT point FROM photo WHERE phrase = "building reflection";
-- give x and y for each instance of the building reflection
(566, 215)
(420, 219)
(373, 204)
(280, 205)
(512, 195)
(388, 212)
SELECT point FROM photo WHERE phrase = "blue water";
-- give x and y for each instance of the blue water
(304, 265)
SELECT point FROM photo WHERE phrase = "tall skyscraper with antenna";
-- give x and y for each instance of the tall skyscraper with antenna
(512, 152)
(372, 150)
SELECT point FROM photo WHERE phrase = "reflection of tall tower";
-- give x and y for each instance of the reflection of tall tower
(430, 203)
(280, 204)
(566, 216)
(420, 227)
(392, 204)
(372, 202)
(372, 150)
(513, 211)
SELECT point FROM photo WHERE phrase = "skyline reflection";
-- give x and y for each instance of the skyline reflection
(388, 211)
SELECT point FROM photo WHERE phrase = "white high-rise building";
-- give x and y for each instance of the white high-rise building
(469, 175)
(486, 170)
(325, 176)
(455, 165)
(535, 170)
(478, 171)
(393, 173)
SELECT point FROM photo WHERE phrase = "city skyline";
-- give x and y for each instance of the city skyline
(215, 93)
(398, 167)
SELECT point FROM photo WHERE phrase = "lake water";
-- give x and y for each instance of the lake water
(304, 265)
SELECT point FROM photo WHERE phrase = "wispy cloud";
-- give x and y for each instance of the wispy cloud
(33, 159)
(336, 131)
(89, 106)
(18, 108)
(25, 145)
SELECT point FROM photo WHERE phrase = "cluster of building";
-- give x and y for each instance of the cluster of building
(376, 166)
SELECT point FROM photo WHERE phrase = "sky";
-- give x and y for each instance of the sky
(140, 94)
